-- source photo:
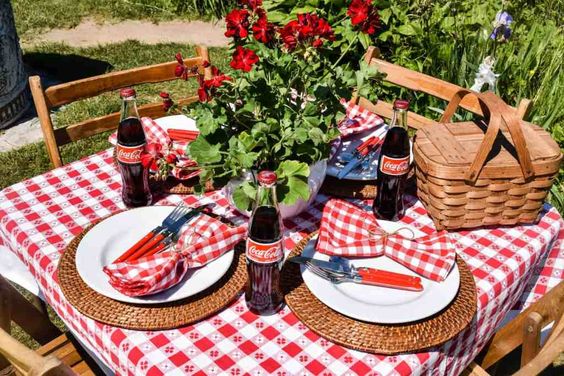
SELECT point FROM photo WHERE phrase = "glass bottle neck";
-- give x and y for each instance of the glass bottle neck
(266, 195)
(129, 108)
(399, 119)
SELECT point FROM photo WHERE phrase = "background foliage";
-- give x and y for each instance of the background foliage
(449, 39)
(446, 39)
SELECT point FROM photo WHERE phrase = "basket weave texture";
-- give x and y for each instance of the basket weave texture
(378, 338)
(472, 174)
(155, 316)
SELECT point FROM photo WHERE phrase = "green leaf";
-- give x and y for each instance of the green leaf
(293, 181)
(203, 152)
(385, 15)
(364, 40)
(407, 29)
(244, 195)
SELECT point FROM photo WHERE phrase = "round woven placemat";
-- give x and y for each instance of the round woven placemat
(149, 317)
(377, 338)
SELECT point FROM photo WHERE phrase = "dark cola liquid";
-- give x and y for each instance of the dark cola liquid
(388, 203)
(263, 294)
(135, 178)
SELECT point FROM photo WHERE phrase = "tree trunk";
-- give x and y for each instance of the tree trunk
(14, 97)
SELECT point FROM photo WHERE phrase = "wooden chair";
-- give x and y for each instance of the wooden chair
(525, 331)
(69, 92)
(419, 82)
(57, 356)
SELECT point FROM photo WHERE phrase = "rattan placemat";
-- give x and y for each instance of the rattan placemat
(376, 338)
(149, 317)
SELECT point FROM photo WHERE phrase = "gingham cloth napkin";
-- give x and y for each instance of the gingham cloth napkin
(154, 133)
(347, 230)
(357, 119)
(205, 240)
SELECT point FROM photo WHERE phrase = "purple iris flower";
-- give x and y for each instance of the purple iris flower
(502, 29)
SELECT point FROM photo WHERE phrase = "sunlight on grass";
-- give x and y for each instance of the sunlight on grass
(32, 160)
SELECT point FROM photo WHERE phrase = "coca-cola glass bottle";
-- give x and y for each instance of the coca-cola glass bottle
(130, 145)
(393, 166)
(264, 250)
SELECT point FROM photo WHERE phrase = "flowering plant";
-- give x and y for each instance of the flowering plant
(159, 160)
(500, 34)
(279, 107)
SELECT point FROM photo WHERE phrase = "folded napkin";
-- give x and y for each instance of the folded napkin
(357, 119)
(155, 134)
(347, 230)
(205, 240)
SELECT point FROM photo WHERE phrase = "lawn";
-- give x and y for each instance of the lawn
(34, 16)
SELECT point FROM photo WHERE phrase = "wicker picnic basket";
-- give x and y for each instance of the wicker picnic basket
(495, 171)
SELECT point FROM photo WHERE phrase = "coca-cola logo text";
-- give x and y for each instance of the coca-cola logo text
(264, 253)
(129, 154)
(394, 166)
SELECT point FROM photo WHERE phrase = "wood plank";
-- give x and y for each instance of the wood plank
(510, 336)
(45, 121)
(48, 348)
(452, 151)
(547, 355)
(474, 369)
(386, 110)
(421, 82)
(105, 123)
(34, 322)
(89, 87)
(82, 368)
(531, 337)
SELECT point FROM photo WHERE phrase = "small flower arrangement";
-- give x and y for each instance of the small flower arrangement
(500, 34)
(159, 160)
(279, 107)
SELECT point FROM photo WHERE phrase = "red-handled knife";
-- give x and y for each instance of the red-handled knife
(369, 276)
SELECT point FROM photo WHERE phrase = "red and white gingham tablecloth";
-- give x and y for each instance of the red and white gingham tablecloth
(39, 217)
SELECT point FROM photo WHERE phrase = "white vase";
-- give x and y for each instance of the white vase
(315, 180)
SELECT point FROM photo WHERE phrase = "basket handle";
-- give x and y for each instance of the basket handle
(498, 113)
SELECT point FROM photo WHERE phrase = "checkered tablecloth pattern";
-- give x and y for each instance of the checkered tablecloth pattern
(39, 217)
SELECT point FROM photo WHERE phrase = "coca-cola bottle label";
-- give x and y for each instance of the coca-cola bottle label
(394, 166)
(129, 154)
(264, 253)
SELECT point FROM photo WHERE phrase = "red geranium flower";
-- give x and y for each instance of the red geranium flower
(203, 94)
(312, 26)
(289, 34)
(244, 59)
(152, 153)
(171, 158)
(253, 4)
(364, 15)
(217, 79)
(167, 100)
(237, 23)
(263, 30)
(180, 70)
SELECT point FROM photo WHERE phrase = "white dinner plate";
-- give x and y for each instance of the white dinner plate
(177, 122)
(379, 304)
(114, 235)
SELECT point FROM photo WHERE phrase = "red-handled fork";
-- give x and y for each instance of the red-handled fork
(144, 242)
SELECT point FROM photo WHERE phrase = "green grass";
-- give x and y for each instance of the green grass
(34, 16)
(71, 63)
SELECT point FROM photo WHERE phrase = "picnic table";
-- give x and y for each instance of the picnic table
(512, 267)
